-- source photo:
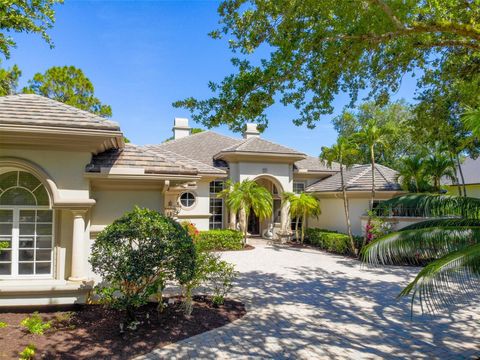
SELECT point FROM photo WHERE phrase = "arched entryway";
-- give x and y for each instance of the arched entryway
(257, 227)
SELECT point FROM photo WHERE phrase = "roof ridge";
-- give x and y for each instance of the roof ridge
(193, 135)
(362, 173)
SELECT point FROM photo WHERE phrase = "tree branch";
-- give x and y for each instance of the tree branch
(388, 11)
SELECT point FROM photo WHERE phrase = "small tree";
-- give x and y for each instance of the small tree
(137, 252)
(248, 196)
(301, 207)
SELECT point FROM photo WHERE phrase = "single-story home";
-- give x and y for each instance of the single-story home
(65, 174)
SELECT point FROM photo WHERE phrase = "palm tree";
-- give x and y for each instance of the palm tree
(373, 136)
(412, 174)
(225, 195)
(302, 206)
(471, 118)
(437, 166)
(344, 153)
(248, 196)
(451, 242)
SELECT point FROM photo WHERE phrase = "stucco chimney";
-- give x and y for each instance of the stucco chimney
(251, 131)
(180, 128)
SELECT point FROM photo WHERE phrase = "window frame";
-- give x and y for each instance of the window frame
(15, 246)
(304, 184)
(185, 207)
(213, 198)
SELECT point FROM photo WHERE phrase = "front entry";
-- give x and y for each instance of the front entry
(253, 224)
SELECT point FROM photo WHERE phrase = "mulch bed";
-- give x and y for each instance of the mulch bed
(93, 332)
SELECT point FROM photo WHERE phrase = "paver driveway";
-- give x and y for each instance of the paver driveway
(308, 304)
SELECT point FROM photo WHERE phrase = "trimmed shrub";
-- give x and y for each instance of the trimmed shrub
(136, 254)
(215, 240)
(330, 241)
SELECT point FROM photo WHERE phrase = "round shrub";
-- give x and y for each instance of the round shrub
(137, 253)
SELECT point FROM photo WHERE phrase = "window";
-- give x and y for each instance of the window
(298, 187)
(187, 199)
(216, 205)
(26, 227)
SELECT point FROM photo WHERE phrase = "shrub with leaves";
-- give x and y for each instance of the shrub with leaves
(28, 353)
(213, 274)
(214, 240)
(136, 253)
(330, 241)
(3, 324)
(35, 325)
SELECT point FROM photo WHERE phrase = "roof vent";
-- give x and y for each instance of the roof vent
(180, 128)
(251, 131)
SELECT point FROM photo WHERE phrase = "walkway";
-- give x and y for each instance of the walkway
(312, 305)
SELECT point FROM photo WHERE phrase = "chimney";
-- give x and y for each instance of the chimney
(180, 128)
(251, 131)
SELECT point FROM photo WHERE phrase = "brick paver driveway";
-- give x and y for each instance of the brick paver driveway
(308, 304)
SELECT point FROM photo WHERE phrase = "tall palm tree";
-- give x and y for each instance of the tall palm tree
(373, 136)
(437, 166)
(302, 206)
(345, 154)
(247, 196)
(451, 242)
(412, 174)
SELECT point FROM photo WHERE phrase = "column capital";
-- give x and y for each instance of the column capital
(79, 212)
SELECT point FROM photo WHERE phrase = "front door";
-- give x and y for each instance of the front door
(253, 224)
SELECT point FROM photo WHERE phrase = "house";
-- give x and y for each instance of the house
(471, 175)
(65, 174)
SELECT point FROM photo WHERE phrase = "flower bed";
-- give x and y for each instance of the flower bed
(93, 332)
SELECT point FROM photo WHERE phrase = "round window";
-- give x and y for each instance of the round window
(187, 199)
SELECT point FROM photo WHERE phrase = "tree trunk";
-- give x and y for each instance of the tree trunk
(297, 220)
(244, 224)
(461, 176)
(347, 212)
(232, 224)
(372, 159)
(457, 181)
(304, 220)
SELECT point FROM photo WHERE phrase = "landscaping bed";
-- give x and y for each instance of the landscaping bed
(93, 331)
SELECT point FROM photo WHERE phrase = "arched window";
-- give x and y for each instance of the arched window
(26, 226)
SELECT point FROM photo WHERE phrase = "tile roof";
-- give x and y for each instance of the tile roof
(471, 172)
(259, 145)
(359, 178)
(133, 156)
(200, 166)
(314, 164)
(39, 111)
(200, 147)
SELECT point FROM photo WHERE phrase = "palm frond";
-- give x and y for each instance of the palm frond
(446, 222)
(446, 281)
(420, 244)
(434, 205)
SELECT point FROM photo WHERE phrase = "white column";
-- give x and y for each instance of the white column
(78, 246)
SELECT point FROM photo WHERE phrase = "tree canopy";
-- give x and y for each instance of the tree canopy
(9, 80)
(317, 49)
(30, 16)
(396, 117)
(69, 85)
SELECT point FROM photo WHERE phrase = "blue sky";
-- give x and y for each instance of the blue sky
(143, 55)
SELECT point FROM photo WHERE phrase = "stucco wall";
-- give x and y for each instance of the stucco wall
(65, 167)
(283, 173)
(199, 214)
(472, 190)
(333, 215)
(111, 204)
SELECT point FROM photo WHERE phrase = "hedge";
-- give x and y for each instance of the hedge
(214, 240)
(328, 240)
